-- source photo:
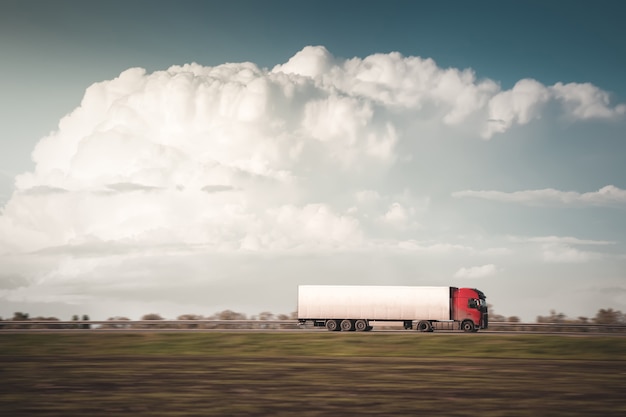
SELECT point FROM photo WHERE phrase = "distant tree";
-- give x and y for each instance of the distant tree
(291, 316)
(608, 316)
(554, 317)
(116, 325)
(513, 319)
(85, 325)
(19, 316)
(189, 317)
(151, 316)
(493, 317)
(228, 315)
(266, 315)
(44, 326)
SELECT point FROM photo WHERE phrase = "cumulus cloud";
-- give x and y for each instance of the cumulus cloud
(519, 105)
(586, 101)
(605, 196)
(236, 159)
(476, 271)
(454, 96)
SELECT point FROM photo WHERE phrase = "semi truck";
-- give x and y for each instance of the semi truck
(359, 307)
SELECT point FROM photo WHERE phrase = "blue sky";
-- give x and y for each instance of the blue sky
(507, 176)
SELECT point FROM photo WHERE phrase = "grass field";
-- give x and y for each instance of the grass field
(311, 374)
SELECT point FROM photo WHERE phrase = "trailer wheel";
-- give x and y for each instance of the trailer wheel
(424, 326)
(332, 325)
(468, 326)
(360, 325)
(347, 325)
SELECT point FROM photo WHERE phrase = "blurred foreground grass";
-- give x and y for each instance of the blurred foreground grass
(311, 374)
(323, 343)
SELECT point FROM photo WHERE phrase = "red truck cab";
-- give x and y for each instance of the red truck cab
(469, 308)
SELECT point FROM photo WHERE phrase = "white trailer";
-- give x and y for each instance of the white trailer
(353, 307)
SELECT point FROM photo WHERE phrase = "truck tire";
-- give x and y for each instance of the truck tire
(347, 325)
(332, 325)
(424, 326)
(360, 325)
(468, 326)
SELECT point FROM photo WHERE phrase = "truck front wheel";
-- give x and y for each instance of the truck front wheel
(468, 326)
(332, 325)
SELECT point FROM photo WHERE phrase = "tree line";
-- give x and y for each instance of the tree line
(223, 315)
(603, 316)
(607, 316)
(115, 321)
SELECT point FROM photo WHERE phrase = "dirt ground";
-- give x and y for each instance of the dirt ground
(338, 386)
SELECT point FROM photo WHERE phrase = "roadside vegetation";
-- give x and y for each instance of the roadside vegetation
(311, 374)
(381, 344)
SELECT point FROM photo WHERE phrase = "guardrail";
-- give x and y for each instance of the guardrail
(279, 324)
(557, 327)
(147, 324)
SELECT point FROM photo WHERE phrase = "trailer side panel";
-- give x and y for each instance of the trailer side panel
(373, 302)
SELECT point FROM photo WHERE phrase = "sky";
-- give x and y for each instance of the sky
(191, 157)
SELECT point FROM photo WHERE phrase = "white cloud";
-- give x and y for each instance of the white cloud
(396, 215)
(568, 240)
(560, 253)
(314, 225)
(586, 101)
(606, 196)
(429, 248)
(477, 271)
(311, 61)
(519, 105)
(238, 161)
(367, 196)
(451, 95)
(563, 249)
